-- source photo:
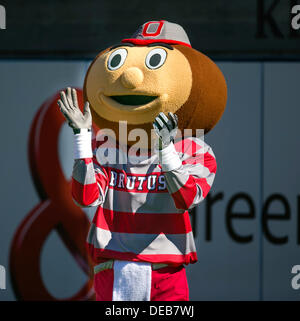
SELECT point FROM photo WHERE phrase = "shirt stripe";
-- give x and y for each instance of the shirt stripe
(177, 244)
(101, 255)
(128, 222)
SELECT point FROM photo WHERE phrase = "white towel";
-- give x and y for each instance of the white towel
(132, 281)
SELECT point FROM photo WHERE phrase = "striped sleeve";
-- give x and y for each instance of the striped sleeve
(89, 182)
(190, 183)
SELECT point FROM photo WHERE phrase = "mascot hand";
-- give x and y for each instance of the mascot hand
(165, 128)
(68, 105)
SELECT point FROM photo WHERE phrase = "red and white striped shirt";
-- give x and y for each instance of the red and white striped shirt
(142, 212)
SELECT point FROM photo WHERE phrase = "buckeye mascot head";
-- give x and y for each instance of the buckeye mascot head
(156, 70)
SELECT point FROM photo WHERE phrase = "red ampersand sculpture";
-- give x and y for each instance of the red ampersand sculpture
(56, 211)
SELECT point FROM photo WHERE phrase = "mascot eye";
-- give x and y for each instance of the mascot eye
(116, 59)
(156, 58)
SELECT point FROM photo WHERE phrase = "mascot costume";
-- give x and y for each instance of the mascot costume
(141, 238)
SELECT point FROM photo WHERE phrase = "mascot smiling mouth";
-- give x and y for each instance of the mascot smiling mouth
(116, 104)
(133, 100)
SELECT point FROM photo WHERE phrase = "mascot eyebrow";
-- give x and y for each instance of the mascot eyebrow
(153, 44)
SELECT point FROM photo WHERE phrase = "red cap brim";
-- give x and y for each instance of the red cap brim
(145, 42)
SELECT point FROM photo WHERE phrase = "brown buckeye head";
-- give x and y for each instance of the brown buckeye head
(133, 83)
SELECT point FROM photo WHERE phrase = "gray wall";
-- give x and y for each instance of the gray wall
(256, 145)
(256, 148)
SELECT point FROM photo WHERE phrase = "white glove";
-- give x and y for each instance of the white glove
(68, 105)
(165, 128)
(80, 122)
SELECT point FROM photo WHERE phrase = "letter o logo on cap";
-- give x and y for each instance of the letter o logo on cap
(152, 28)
